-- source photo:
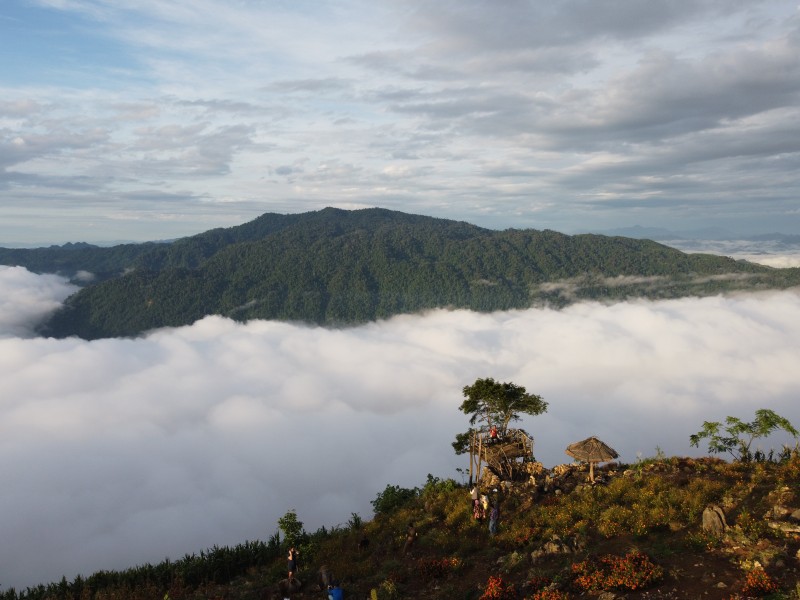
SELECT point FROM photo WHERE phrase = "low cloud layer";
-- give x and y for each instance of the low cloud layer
(119, 452)
(780, 254)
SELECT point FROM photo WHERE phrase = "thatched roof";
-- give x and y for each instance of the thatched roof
(591, 450)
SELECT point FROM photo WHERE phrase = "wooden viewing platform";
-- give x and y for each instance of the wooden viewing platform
(504, 455)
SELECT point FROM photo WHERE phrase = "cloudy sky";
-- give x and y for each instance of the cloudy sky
(118, 452)
(146, 119)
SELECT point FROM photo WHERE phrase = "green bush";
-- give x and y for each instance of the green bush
(392, 498)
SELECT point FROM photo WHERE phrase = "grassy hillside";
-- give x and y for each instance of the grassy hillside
(336, 267)
(635, 534)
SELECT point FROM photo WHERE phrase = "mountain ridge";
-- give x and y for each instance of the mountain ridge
(336, 267)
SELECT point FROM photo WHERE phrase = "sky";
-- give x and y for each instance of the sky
(134, 120)
(121, 452)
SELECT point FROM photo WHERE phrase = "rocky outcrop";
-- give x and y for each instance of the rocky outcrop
(714, 521)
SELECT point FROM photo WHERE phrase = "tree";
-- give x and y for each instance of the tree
(463, 440)
(498, 403)
(291, 527)
(738, 435)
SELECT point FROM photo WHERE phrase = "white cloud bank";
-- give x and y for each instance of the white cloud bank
(119, 452)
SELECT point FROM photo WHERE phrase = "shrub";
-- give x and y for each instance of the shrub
(758, 583)
(392, 498)
(634, 571)
(387, 590)
(548, 595)
(702, 541)
(615, 520)
(498, 589)
(433, 568)
(751, 527)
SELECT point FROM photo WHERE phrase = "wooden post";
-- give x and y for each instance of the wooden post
(471, 455)
(480, 457)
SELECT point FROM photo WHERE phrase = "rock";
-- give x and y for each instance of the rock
(779, 512)
(561, 470)
(534, 468)
(784, 526)
(554, 547)
(607, 596)
(714, 521)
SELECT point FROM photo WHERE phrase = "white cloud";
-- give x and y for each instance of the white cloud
(123, 451)
(566, 116)
(26, 299)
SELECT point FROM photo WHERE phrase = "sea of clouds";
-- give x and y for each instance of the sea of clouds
(120, 452)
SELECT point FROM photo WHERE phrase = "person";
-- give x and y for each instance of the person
(335, 592)
(411, 535)
(484, 505)
(325, 578)
(493, 433)
(476, 503)
(292, 562)
(494, 517)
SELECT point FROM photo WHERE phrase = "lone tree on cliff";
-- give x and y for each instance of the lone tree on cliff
(494, 403)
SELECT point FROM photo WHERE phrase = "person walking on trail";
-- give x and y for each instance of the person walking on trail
(484, 505)
(494, 517)
(292, 562)
(411, 535)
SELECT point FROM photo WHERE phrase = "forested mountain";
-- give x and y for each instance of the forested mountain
(338, 267)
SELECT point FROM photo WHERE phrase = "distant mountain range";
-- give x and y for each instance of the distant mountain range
(706, 233)
(336, 267)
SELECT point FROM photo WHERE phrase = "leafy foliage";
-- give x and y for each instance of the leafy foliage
(738, 436)
(291, 527)
(392, 498)
(498, 403)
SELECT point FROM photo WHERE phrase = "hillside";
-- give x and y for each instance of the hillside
(636, 534)
(335, 267)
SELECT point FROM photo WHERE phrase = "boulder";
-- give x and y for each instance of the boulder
(555, 547)
(714, 521)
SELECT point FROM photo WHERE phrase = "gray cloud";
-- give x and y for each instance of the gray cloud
(124, 451)
(568, 115)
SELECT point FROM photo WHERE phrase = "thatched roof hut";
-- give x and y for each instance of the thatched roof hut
(591, 450)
